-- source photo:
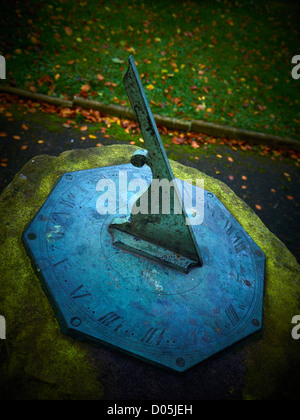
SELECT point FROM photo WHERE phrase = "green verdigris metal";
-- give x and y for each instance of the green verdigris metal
(144, 302)
(173, 238)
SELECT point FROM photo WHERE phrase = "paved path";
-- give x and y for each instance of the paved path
(268, 182)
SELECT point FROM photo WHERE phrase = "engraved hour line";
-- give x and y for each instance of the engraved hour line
(150, 334)
(238, 243)
(232, 315)
(60, 217)
(82, 189)
(76, 296)
(60, 262)
(109, 318)
(66, 203)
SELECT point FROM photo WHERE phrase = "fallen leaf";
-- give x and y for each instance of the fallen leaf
(17, 137)
(230, 159)
(150, 87)
(24, 147)
(83, 128)
(231, 177)
(194, 144)
(99, 77)
(117, 60)
(25, 127)
(289, 197)
(258, 206)
(85, 88)
(91, 136)
(244, 178)
(68, 30)
(3, 134)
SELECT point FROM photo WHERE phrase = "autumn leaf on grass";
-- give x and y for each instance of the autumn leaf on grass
(117, 60)
(194, 144)
(25, 127)
(68, 30)
(200, 107)
(83, 128)
(99, 77)
(85, 88)
(150, 87)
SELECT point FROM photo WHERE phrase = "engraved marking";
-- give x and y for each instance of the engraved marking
(82, 189)
(232, 315)
(160, 337)
(67, 203)
(109, 318)
(242, 307)
(60, 217)
(239, 244)
(60, 262)
(229, 228)
(149, 335)
(75, 296)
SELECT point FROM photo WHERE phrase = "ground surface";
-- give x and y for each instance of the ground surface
(269, 184)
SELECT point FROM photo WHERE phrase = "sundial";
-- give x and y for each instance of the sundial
(137, 268)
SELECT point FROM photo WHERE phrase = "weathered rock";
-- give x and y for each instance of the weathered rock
(39, 362)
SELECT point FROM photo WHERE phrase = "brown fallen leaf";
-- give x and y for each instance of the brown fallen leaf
(83, 128)
(25, 127)
(258, 206)
(68, 30)
(24, 147)
(85, 88)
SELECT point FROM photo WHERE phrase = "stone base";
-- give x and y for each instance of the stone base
(39, 362)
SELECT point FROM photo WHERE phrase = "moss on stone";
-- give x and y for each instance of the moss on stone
(37, 361)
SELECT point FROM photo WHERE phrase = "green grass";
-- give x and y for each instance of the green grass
(224, 62)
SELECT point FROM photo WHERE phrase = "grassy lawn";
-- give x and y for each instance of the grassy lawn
(225, 62)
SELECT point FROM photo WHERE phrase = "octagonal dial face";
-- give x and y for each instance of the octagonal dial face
(109, 296)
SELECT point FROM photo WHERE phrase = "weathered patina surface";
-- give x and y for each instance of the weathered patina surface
(37, 361)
